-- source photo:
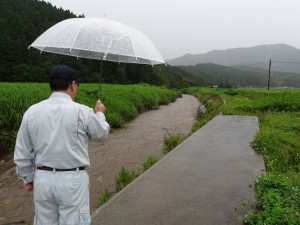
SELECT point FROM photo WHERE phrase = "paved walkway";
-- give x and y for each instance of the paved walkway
(202, 181)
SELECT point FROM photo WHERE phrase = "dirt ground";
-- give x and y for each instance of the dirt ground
(127, 147)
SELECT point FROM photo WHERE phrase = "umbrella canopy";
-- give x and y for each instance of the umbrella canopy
(97, 38)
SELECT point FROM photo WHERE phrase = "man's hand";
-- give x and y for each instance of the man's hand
(99, 107)
(29, 186)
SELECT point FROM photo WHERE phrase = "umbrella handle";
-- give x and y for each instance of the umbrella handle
(99, 92)
(100, 81)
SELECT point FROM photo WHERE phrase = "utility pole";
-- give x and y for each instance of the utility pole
(227, 81)
(269, 75)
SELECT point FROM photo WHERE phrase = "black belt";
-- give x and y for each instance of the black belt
(53, 169)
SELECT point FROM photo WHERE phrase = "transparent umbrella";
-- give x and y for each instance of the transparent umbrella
(101, 39)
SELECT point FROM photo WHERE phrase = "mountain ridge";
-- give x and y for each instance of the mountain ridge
(285, 58)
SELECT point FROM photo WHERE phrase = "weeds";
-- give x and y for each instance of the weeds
(278, 201)
(151, 160)
(104, 198)
(172, 141)
(124, 178)
(245, 205)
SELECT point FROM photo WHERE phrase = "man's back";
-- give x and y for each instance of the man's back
(51, 152)
(58, 130)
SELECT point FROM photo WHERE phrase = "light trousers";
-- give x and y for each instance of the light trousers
(61, 198)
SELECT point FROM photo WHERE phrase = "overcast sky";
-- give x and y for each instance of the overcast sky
(178, 27)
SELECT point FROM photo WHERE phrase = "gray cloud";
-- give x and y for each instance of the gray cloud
(177, 27)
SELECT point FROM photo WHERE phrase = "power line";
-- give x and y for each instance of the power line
(251, 64)
(266, 63)
(285, 62)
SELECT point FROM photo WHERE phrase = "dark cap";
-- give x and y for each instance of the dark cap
(64, 72)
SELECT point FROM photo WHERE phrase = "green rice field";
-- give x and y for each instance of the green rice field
(123, 103)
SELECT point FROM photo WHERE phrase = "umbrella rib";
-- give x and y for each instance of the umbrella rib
(107, 50)
(109, 46)
(132, 48)
(76, 38)
(42, 50)
(110, 43)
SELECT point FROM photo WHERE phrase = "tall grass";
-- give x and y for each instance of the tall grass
(123, 103)
(124, 178)
(172, 141)
(104, 198)
(150, 161)
(277, 193)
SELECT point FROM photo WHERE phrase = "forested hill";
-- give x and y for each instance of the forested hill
(22, 21)
(241, 76)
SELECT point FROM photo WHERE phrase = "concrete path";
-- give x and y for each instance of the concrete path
(202, 181)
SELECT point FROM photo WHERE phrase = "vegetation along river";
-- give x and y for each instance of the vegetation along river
(128, 147)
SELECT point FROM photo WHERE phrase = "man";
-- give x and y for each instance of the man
(51, 152)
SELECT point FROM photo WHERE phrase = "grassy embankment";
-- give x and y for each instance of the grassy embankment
(278, 192)
(123, 103)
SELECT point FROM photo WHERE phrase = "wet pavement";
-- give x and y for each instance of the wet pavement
(202, 181)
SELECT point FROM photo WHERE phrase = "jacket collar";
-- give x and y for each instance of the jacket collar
(60, 95)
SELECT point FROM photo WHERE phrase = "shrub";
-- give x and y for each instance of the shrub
(172, 141)
(124, 178)
(278, 199)
(151, 160)
(104, 198)
(231, 92)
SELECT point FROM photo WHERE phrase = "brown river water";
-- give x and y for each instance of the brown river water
(128, 147)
